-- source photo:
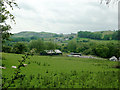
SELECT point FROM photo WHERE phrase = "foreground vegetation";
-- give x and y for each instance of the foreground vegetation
(62, 72)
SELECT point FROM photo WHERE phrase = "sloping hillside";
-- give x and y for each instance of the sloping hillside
(35, 34)
(105, 32)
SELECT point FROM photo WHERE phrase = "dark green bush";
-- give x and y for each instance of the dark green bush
(6, 49)
(19, 48)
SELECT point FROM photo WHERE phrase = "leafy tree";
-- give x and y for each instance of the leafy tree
(107, 50)
(4, 15)
(114, 49)
(107, 37)
(7, 49)
(19, 48)
(88, 51)
(64, 48)
(72, 45)
(50, 45)
(37, 44)
(71, 37)
(82, 46)
(116, 35)
(102, 51)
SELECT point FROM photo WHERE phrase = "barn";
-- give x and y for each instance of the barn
(76, 54)
(51, 52)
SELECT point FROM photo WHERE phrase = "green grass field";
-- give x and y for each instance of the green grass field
(62, 72)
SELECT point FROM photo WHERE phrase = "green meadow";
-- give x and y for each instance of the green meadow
(62, 72)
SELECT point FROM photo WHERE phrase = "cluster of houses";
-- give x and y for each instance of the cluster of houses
(61, 39)
(65, 37)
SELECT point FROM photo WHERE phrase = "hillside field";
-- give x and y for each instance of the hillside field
(62, 72)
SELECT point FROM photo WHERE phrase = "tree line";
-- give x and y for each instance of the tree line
(99, 36)
(104, 50)
(22, 47)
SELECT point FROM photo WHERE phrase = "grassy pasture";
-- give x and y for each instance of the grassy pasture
(62, 72)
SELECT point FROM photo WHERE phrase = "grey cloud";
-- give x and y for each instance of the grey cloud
(26, 7)
(63, 16)
(78, 16)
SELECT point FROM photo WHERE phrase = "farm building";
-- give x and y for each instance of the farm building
(51, 52)
(113, 58)
(76, 54)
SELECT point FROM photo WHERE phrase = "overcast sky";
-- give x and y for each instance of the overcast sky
(64, 16)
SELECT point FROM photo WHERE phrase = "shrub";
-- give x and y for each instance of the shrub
(6, 49)
(19, 48)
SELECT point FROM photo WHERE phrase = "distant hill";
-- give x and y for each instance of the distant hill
(46, 36)
(98, 35)
(29, 34)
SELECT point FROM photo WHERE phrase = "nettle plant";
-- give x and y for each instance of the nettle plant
(17, 73)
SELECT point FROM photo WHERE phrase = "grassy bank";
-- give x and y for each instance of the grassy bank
(63, 72)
